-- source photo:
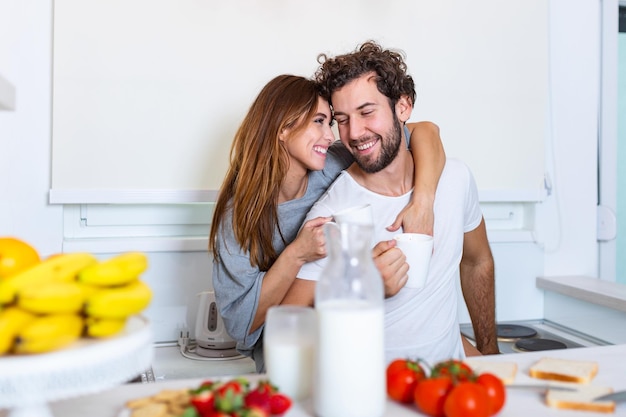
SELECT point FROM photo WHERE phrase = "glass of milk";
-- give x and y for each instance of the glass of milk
(289, 340)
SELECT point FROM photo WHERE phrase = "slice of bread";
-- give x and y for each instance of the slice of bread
(566, 370)
(581, 399)
(506, 371)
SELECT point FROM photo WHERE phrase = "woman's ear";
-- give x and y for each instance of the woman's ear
(404, 108)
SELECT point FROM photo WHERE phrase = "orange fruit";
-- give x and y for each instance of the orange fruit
(15, 256)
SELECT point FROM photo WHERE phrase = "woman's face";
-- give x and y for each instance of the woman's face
(307, 148)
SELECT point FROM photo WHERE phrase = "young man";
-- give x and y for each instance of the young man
(372, 98)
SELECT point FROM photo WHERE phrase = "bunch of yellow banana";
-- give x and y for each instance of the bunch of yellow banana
(68, 296)
(113, 292)
(58, 268)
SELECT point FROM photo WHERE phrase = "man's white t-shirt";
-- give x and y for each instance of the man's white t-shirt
(419, 323)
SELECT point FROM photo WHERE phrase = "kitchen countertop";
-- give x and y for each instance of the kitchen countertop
(585, 304)
(168, 364)
(612, 368)
(593, 290)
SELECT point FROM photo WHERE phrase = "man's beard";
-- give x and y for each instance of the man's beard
(390, 146)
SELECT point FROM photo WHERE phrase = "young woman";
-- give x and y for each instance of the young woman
(283, 157)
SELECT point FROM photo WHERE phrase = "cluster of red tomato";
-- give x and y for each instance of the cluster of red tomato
(451, 390)
(235, 398)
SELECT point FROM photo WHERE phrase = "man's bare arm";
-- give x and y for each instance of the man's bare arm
(478, 285)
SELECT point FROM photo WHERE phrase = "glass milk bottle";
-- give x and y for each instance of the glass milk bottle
(350, 375)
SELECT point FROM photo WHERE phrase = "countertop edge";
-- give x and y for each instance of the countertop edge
(593, 290)
(519, 402)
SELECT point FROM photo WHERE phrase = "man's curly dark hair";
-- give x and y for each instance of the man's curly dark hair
(392, 79)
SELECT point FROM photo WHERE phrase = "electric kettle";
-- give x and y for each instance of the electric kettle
(212, 340)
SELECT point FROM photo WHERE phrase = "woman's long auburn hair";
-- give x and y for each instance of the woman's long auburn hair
(258, 165)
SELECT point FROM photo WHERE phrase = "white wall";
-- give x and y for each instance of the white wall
(25, 61)
(176, 97)
(564, 225)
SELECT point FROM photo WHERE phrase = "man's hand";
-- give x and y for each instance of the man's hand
(470, 350)
(391, 264)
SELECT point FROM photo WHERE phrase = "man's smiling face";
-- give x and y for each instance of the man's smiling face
(367, 124)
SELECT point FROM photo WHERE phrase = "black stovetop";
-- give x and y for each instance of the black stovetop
(534, 335)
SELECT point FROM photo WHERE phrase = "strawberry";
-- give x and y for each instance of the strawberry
(206, 383)
(279, 403)
(202, 400)
(236, 385)
(228, 399)
(258, 398)
(234, 398)
(266, 386)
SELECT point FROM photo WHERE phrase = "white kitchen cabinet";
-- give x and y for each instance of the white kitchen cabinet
(7, 95)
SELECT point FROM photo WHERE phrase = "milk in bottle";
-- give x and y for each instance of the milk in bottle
(350, 374)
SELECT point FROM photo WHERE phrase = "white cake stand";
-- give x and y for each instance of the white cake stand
(29, 382)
